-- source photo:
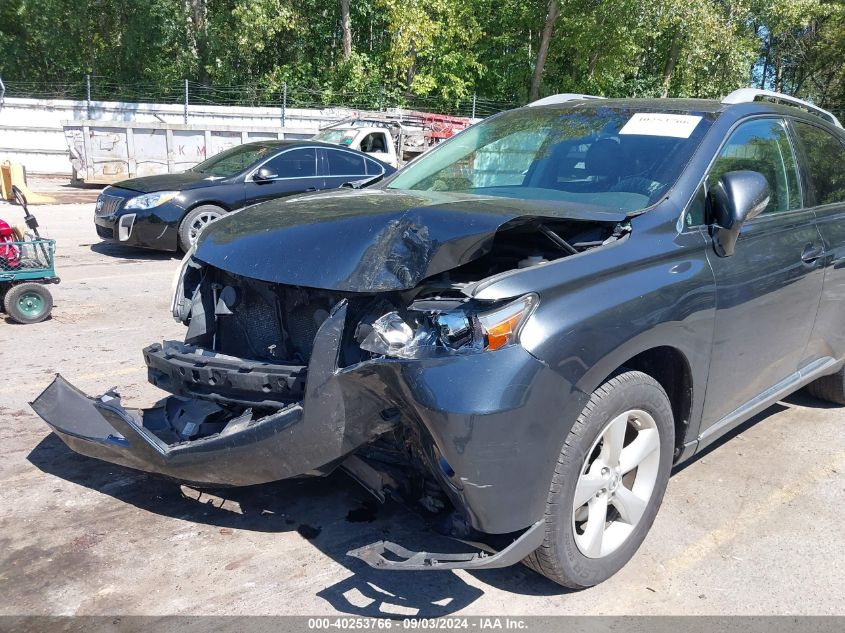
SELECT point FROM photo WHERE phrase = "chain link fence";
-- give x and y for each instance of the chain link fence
(96, 88)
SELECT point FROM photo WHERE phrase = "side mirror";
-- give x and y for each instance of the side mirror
(740, 196)
(264, 175)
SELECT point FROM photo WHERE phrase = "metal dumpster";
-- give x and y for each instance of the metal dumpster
(106, 152)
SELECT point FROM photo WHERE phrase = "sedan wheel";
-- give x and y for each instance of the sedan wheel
(195, 222)
(200, 222)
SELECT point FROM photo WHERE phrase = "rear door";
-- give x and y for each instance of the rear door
(343, 166)
(293, 171)
(767, 292)
(822, 156)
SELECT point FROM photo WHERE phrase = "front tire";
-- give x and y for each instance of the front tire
(608, 483)
(28, 303)
(194, 222)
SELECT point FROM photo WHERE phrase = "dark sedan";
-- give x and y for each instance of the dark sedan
(168, 211)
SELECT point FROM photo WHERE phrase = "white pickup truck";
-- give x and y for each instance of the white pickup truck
(378, 142)
(394, 141)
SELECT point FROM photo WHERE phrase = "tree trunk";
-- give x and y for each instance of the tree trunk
(347, 29)
(674, 51)
(543, 51)
(199, 21)
(766, 62)
(591, 66)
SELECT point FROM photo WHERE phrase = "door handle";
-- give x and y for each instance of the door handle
(811, 253)
(311, 189)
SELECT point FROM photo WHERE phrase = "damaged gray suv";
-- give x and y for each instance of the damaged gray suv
(521, 333)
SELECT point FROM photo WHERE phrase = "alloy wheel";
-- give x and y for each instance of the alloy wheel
(200, 222)
(616, 483)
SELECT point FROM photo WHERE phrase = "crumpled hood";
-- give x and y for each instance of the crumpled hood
(367, 241)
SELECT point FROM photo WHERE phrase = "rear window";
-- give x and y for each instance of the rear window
(373, 168)
(345, 164)
(825, 157)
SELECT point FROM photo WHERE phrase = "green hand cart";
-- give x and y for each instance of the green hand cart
(26, 269)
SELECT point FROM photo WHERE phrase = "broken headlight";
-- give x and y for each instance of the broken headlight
(471, 327)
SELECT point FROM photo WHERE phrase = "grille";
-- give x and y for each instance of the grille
(105, 232)
(107, 205)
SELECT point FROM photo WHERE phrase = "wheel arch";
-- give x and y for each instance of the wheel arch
(670, 367)
(210, 203)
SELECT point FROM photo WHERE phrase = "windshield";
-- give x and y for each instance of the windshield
(233, 160)
(624, 159)
(336, 137)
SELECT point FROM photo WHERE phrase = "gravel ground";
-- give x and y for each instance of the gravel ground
(752, 527)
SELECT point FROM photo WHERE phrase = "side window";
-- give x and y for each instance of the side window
(373, 168)
(695, 214)
(374, 142)
(762, 146)
(296, 163)
(345, 164)
(825, 157)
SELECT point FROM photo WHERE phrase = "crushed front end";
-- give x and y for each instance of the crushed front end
(417, 390)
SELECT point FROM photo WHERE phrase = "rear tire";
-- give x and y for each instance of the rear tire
(194, 222)
(617, 458)
(28, 303)
(830, 388)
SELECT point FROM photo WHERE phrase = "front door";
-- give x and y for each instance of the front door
(376, 145)
(292, 171)
(767, 292)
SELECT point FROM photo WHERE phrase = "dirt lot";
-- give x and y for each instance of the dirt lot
(752, 527)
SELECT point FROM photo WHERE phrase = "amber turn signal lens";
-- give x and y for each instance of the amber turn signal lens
(501, 326)
(502, 333)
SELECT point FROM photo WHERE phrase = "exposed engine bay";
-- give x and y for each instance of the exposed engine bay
(257, 320)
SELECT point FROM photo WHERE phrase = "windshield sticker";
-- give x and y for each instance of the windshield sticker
(657, 124)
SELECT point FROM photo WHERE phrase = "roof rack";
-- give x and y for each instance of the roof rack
(749, 95)
(561, 98)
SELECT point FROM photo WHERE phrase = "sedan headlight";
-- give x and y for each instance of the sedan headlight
(151, 200)
(471, 328)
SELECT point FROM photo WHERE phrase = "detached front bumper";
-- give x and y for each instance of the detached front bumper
(246, 451)
(306, 437)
